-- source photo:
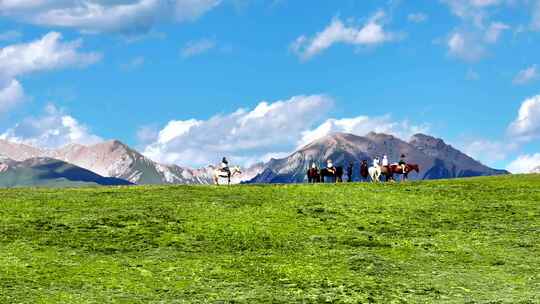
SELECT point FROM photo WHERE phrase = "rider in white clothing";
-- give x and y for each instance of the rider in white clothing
(376, 162)
(330, 166)
(385, 161)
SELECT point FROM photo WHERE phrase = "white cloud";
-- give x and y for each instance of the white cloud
(47, 53)
(487, 151)
(95, 16)
(494, 31)
(524, 163)
(465, 46)
(362, 125)
(526, 126)
(370, 34)
(245, 135)
(471, 44)
(53, 129)
(527, 75)
(417, 17)
(473, 11)
(476, 32)
(268, 130)
(197, 47)
(11, 93)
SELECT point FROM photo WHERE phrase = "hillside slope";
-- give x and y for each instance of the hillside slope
(51, 173)
(452, 241)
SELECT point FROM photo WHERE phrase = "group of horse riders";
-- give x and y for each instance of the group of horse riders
(384, 162)
(377, 162)
(380, 166)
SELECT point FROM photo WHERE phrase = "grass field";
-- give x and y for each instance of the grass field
(458, 241)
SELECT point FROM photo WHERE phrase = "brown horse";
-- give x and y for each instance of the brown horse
(390, 170)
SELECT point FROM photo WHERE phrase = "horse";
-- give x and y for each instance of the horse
(396, 169)
(375, 173)
(364, 171)
(223, 174)
(337, 175)
(313, 175)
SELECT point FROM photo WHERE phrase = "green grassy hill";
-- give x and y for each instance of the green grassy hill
(458, 241)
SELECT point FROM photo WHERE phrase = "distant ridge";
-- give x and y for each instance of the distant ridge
(50, 172)
(117, 160)
(436, 159)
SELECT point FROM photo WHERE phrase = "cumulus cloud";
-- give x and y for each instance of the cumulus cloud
(470, 41)
(370, 34)
(465, 46)
(472, 10)
(11, 93)
(524, 163)
(489, 152)
(96, 16)
(47, 53)
(197, 47)
(243, 135)
(53, 129)
(471, 44)
(362, 125)
(269, 130)
(526, 126)
(527, 75)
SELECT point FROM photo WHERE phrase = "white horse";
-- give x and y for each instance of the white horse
(218, 173)
(375, 173)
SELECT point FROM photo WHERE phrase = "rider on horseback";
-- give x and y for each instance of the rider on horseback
(385, 161)
(402, 163)
(376, 162)
(225, 166)
(330, 166)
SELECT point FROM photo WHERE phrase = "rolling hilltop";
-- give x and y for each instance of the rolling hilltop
(50, 172)
(114, 159)
(437, 160)
(449, 241)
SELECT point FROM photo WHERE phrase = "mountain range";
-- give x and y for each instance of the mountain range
(51, 173)
(436, 159)
(113, 159)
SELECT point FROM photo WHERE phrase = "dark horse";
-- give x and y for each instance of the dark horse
(364, 171)
(337, 177)
(389, 171)
(313, 175)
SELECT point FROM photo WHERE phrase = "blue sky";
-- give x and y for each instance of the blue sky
(187, 81)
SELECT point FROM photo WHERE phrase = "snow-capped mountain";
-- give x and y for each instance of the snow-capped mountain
(435, 158)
